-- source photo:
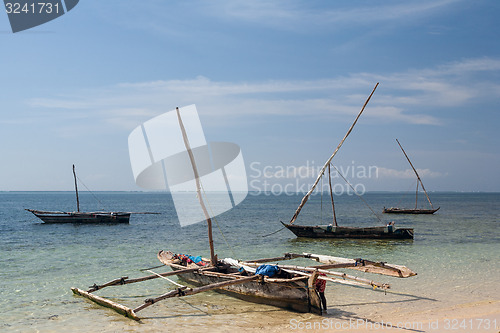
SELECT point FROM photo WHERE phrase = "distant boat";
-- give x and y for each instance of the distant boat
(333, 230)
(82, 217)
(397, 210)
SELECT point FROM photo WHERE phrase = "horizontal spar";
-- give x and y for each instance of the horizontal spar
(184, 291)
(126, 280)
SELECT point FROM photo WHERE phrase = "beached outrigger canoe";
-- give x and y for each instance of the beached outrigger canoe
(288, 286)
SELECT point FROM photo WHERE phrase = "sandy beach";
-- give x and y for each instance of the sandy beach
(471, 317)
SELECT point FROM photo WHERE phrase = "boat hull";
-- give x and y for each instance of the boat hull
(292, 294)
(287, 295)
(81, 217)
(388, 232)
(409, 211)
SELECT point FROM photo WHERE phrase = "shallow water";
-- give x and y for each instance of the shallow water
(455, 253)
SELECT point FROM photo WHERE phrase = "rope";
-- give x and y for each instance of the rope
(378, 218)
(166, 278)
(97, 199)
(275, 232)
(405, 194)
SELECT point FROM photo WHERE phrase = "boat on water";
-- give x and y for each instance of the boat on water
(287, 286)
(397, 210)
(329, 231)
(82, 217)
(333, 230)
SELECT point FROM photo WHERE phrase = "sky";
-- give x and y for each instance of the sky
(283, 79)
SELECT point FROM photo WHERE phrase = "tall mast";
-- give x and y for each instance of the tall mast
(76, 190)
(331, 196)
(306, 197)
(416, 173)
(213, 259)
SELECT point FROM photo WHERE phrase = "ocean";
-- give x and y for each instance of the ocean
(455, 253)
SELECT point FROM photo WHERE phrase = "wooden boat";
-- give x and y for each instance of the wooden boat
(293, 288)
(396, 210)
(83, 217)
(329, 231)
(290, 286)
(389, 231)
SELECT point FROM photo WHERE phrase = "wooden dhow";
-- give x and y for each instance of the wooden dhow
(98, 217)
(333, 230)
(397, 210)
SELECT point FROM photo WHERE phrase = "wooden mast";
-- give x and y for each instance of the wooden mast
(213, 259)
(76, 190)
(306, 197)
(416, 173)
(331, 196)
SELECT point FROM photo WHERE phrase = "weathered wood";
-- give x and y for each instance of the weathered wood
(76, 190)
(191, 291)
(213, 259)
(107, 303)
(365, 265)
(322, 171)
(331, 195)
(126, 280)
(313, 297)
(263, 260)
(342, 275)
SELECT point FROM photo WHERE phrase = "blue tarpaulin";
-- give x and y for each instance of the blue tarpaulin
(267, 270)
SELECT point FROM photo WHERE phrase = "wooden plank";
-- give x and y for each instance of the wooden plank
(341, 275)
(180, 292)
(126, 280)
(367, 267)
(127, 312)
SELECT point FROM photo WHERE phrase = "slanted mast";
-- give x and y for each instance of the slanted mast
(322, 171)
(213, 259)
(418, 178)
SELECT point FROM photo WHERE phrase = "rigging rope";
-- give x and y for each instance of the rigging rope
(406, 193)
(97, 199)
(378, 218)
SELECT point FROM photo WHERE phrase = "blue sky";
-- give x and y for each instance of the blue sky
(282, 79)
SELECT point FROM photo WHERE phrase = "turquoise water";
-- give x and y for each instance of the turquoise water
(455, 253)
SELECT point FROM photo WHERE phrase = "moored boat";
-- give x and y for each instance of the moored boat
(329, 231)
(81, 217)
(99, 217)
(389, 231)
(397, 210)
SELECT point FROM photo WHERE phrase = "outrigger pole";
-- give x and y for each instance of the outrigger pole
(306, 197)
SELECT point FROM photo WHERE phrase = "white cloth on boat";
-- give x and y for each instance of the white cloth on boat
(236, 263)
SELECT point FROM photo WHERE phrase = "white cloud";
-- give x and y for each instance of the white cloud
(396, 100)
(301, 15)
(385, 173)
